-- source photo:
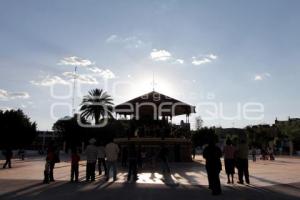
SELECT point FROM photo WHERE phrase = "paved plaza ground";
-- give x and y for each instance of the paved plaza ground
(279, 179)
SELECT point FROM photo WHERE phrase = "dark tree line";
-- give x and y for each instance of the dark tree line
(202, 136)
(17, 130)
(74, 134)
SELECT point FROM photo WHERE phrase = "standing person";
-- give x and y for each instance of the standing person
(229, 152)
(212, 155)
(49, 160)
(111, 151)
(193, 152)
(52, 158)
(253, 152)
(132, 158)
(124, 156)
(101, 158)
(242, 159)
(163, 157)
(8, 154)
(271, 153)
(21, 153)
(75, 158)
(91, 153)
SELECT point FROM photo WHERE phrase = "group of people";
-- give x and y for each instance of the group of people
(105, 156)
(234, 156)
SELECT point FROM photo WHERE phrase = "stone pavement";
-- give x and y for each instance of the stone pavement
(279, 179)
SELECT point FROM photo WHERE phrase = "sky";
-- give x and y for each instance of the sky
(237, 61)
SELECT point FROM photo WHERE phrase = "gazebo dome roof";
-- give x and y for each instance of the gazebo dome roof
(153, 101)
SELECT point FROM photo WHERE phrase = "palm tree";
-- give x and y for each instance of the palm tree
(97, 104)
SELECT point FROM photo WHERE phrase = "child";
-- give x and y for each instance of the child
(75, 158)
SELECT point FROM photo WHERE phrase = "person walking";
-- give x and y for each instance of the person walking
(101, 159)
(229, 157)
(212, 155)
(91, 153)
(242, 161)
(111, 151)
(75, 158)
(163, 157)
(8, 154)
(132, 158)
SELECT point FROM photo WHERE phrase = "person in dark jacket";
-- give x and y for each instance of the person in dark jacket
(242, 161)
(8, 155)
(163, 157)
(212, 155)
(132, 159)
(75, 158)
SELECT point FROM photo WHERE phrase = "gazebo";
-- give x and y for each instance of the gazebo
(150, 120)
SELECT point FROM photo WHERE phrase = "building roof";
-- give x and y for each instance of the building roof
(153, 101)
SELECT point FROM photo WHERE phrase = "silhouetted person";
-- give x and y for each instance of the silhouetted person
(229, 157)
(21, 153)
(163, 157)
(49, 158)
(8, 156)
(132, 159)
(242, 161)
(101, 159)
(139, 157)
(111, 151)
(193, 153)
(75, 158)
(212, 155)
(124, 156)
(271, 153)
(52, 158)
(253, 152)
(91, 153)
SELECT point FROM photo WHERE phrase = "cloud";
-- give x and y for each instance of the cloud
(81, 78)
(160, 55)
(5, 95)
(179, 61)
(50, 80)
(200, 60)
(112, 38)
(129, 42)
(75, 61)
(263, 76)
(105, 74)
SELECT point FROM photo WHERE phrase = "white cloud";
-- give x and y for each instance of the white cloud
(81, 78)
(5, 95)
(129, 42)
(112, 38)
(50, 80)
(179, 61)
(200, 60)
(75, 61)
(105, 74)
(263, 76)
(160, 55)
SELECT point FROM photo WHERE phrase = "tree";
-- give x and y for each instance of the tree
(17, 131)
(199, 123)
(96, 105)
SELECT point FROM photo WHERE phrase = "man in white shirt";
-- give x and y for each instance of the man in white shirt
(111, 151)
(91, 153)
